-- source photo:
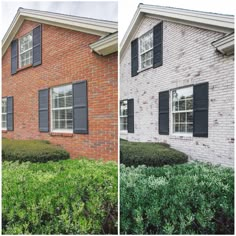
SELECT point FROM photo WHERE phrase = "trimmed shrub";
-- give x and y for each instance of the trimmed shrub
(64, 197)
(150, 154)
(32, 150)
(183, 199)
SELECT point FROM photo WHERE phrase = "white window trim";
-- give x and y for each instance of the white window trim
(172, 133)
(65, 131)
(5, 113)
(20, 53)
(122, 116)
(140, 54)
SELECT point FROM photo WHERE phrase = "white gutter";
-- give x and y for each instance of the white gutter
(106, 45)
(225, 45)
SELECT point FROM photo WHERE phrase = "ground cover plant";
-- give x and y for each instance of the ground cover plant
(64, 197)
(149, 154)
(191, 198)
(32, 150)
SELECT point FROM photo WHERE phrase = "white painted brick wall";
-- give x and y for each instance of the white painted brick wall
(188, 58)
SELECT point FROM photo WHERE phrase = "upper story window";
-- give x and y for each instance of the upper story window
(146, 50)
(4, 113)
(124, 115)
(182, 110)
(25, 50)
(61, 108)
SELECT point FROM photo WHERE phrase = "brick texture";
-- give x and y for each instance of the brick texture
(188, 58)
(66, 57)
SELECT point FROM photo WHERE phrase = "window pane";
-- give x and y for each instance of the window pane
(189, 117)
(182, 117)
(62, 124)
(190, 128)
(182, 105)
(189, 104)
(61, 101)
(123, 108)
(69, 101)
(176, 117)
(182, 128)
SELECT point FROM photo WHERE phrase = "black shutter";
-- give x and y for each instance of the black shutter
(80, 107)
(130, 115)
(200, 110)
(134, 57)
(37, 46)
(164, 112)
(157, 45)
(10, 114)
(14, 56)
(43, 110)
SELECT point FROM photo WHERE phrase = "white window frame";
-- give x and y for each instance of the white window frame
(183, 134)
(140, 54)
(5, 113)
(52, 109)
(20, 53)
(123, 116)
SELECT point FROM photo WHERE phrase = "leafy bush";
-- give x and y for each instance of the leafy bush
(64, 197)
(32, 150)
(149, 154)
(182, 199)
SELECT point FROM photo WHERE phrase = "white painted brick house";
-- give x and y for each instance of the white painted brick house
(182, 62)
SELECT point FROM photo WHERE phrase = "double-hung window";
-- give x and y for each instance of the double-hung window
(61, 109)
(182, 111)
(25, 50)
(124, 115)
(146, 50)
(4, 113)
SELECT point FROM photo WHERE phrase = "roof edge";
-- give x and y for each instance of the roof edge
(211, 21)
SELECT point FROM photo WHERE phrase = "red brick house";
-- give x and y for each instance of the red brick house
(59, 82)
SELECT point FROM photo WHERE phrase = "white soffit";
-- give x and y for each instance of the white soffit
(211, 21)
(82, 24)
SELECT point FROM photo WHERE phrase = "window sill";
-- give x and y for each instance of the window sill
(141, 70)
(182, 137)
(24, 67)
(123, 131)
(61, 134)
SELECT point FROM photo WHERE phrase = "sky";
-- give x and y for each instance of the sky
(107, 10)
(98, 10)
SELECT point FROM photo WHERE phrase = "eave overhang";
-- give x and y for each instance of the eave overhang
(106, 45)
(225, 45)
(211, 21)
(86, 25)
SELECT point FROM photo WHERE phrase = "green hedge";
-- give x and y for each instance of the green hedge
(183, 199)
(64, 197)
(149, 154)
(32, 150)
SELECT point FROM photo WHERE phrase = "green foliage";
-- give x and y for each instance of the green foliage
(183, 199)
(64, 197)
(32, 150)
(149, 154)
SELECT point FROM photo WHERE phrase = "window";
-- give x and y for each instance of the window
(146, 50)
(182, 111)
(4, 113)
(61, 105)
(123, 115)
(25, 50)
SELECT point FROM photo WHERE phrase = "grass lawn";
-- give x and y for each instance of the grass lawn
(191, 198)
(63, 197)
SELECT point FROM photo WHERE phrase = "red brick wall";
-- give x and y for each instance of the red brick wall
(66, 57)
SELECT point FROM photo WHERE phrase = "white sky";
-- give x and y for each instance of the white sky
(127, 8)
(94, 9)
